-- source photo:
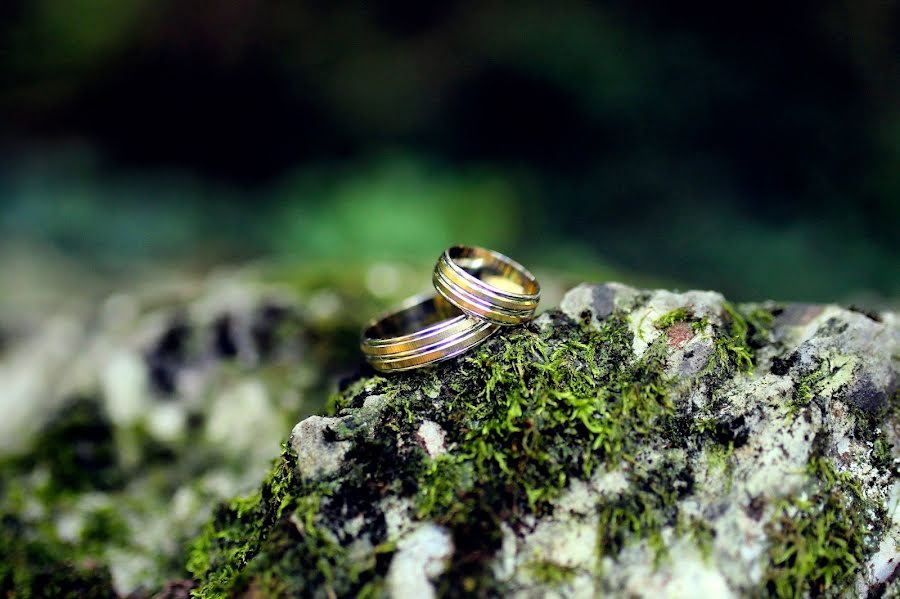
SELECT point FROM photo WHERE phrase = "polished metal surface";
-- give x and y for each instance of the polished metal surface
(486, 284)
(424, 330)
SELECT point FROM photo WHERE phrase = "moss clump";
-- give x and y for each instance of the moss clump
(700, 532)
(718, 459)
(734, 342)
(732, 347)
(104, 527)
(271, 541)
(641, 514)
(718, 441)
(550, 408)
(547, 572)
(814, 383)
(870, 428)
(77, 448)
(74, 454)
(669, 318)
(628, 519)
(819, 541)
(531, 410)
(32, 568)
(544, 409)
(534, 410)
(759, 323)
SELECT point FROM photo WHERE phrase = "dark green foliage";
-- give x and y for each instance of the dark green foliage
(78, 448)
(31, 568)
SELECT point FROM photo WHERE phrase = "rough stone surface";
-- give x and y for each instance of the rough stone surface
(317, 455)
(633, 443)
(420, 558)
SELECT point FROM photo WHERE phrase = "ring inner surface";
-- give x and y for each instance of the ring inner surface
(493, 271)
(413, 319)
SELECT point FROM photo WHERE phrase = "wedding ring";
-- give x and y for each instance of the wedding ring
(486, 284)
(423, 330)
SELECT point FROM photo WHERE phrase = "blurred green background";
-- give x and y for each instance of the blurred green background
(753, 150)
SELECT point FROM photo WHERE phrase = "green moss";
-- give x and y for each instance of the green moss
(701, 533)
(77, 448)
(33, 568)
(669, 318)
(809, 385)
(704, 424)
(641, 514)
(74, 454)
(629, 519)
(103, 528)
(717, 444)
(732, 348)
(820, 539)
(718, 459)
(272, 541)
(551, 573)
(870, 428)
(760, 322)
(550, 409)
(528, 412)
(442, 482)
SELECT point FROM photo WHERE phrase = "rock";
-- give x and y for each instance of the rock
(632, 443)
(125, 423)
(432, 438)
(420, 558)
(317, 455)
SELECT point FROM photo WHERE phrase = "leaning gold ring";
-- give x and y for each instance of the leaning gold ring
(486, 284)
(423, 330)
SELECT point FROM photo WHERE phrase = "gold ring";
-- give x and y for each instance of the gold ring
(487, 285)
(423, 330)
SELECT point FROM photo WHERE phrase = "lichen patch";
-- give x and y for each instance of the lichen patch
(420, 558)
(317, 455)
(432, 438)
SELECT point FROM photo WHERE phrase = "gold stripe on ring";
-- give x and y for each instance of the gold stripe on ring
(487, 284)
(423, 330)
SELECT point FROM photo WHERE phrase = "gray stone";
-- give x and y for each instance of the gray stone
(317, 454)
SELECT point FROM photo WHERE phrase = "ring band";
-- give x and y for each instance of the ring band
(487, 284)
(423, 330)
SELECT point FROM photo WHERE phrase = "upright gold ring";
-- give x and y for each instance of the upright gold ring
(486, 284)
(423, 330)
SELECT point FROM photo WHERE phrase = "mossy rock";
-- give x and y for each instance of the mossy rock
(126, 423)
(631, 443)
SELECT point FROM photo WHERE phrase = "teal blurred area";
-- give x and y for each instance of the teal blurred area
(690, 145)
